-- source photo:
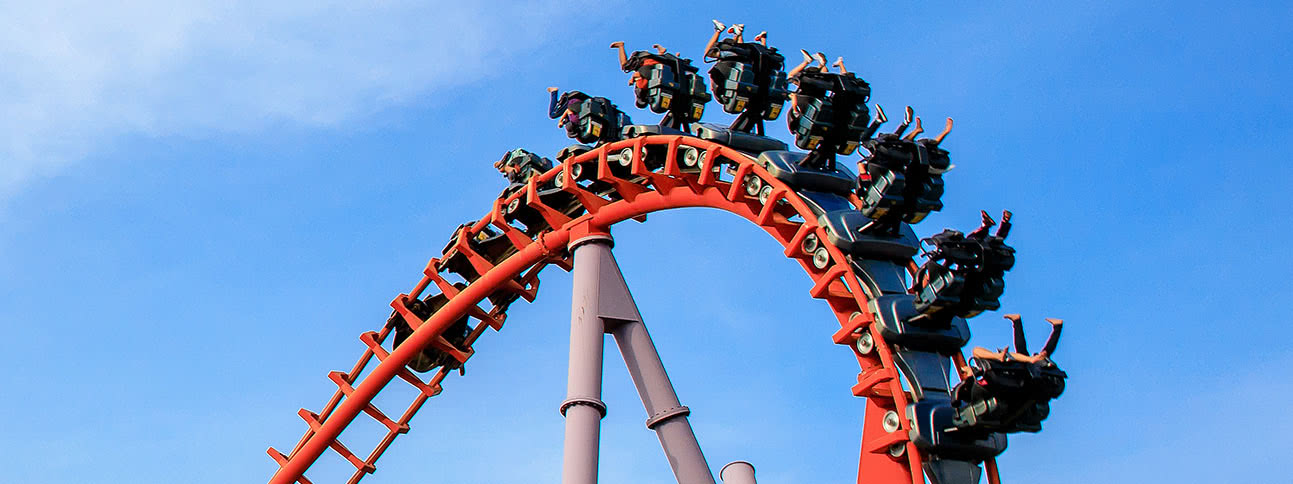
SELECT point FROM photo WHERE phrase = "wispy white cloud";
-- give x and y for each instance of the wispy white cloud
(76, 75)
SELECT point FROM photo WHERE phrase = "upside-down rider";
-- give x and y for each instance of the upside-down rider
(564, 108)
(795, 76)
(987, 223)
(519, 172)
(640, 65)
(977, 388)
(737, 31)
(1021, 345)
(980, 233)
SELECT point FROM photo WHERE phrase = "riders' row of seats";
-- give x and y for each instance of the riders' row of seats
(963, 276)
(832, 111)
(904, 178)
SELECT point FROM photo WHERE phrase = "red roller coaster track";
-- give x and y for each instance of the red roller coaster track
(886, 456)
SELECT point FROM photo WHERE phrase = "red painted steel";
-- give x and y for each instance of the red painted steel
(647, 191)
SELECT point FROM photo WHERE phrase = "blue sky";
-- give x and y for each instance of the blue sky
(205, 203)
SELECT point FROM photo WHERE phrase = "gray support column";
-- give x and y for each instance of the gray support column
(739, 472)
(665, 415)
(583, 407)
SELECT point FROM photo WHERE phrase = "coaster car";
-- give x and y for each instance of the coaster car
(1009, 396)
(489, 243)
(832, 115)
(962, 276)
(599, 121)
(430, 358)
(527, 165)
(672, 87)
(749, 80)
(519, 165)
(904, 178)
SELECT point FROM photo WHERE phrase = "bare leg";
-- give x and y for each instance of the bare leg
(987, 354)
(1003, 355)
(839, 63)
(713, 39)
(821, 60)
(1054, 339)
(982, 231)
(659, 49)
(1033, 359)
(808, 59)
(1004, 229)
(794, 98)
(624, 58)
(1021, 344)
(737, 30)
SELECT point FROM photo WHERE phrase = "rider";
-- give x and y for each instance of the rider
(564, 108)
(736, 30)
(640, 64)
(982, 231)
(1021, 345)
(519, 165)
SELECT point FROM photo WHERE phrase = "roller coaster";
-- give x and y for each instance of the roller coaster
(930, 413)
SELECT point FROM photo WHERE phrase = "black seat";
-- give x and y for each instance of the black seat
(904, 178)
(1011, 396)
(749, 80)
(847, 230)
(600, 121)
(787, 166)
(526, 165)
(636, 130)
(673, 87)
(489, 243)
(933, 431)
(740, 140)
(572, 150)
(832, 115)
(430, 358)
(963, 276)
(901, 324)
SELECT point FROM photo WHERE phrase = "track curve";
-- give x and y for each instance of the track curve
(886, 456)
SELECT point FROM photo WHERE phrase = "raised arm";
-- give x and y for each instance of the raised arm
(1054, 339)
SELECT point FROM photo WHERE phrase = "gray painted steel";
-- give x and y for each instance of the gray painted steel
(739, 472)
(584, 379)
(601, 302)
(784, 165)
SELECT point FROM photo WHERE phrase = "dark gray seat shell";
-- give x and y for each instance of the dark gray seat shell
(784, 166)
(899, 324)
(931, 421)
(747, 142)
(844, 229)
(881, 276)
(636, 130)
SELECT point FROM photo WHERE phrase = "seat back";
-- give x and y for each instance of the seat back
(749, 80)
(600, 121)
